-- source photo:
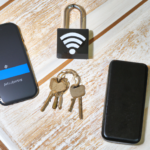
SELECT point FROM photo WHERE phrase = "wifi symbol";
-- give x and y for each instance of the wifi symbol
(72, 40)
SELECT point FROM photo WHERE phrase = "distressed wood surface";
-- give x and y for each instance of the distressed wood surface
(2, 146)
(126, 38)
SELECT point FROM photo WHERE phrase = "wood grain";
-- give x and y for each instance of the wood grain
(92, 40)
(2, 146)
(6, 4)
(54, 129)
(33, 18)
(38, 21)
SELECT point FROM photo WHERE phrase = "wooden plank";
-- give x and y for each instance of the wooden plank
(130, 45)
(96, 27)
(7, 141)
(5, 14)
(2, 146)
(31, 129)
(4, 3)
(41, 21)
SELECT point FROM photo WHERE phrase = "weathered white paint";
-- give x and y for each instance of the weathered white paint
(97, 21)
(7, 141)
(129, 40)
(2, 2)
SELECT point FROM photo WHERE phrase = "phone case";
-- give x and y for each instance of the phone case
(124, 103)
(17, 82)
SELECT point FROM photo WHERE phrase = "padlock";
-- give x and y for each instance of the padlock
(73, 43)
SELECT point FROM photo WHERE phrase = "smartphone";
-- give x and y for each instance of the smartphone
(17, 82)
(124, 103)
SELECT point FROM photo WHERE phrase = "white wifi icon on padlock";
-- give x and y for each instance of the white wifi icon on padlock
(72, 40)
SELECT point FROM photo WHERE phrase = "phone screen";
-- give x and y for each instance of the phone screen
(16, 78)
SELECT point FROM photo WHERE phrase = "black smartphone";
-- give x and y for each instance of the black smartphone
(17, 82)
(124, 103)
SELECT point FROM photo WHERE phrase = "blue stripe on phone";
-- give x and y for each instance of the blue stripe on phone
(14, 71)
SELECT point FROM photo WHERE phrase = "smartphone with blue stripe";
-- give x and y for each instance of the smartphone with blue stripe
(17, 81)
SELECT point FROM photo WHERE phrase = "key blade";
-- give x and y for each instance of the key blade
(72, 104)
(47, 101)
(60, 102)
(80, 108)
(55, 102)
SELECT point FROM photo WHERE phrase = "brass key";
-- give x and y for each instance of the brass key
(55, 103)
(47, 101)
(80, 108)
(72, 104)
(77, 92)
(60, 100)
(56, 89)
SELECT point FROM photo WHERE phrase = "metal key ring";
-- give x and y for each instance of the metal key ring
(69, 71)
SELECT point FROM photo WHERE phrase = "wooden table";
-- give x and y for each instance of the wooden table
(119, 29)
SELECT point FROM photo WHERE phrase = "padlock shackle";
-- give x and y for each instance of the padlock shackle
(82, 15)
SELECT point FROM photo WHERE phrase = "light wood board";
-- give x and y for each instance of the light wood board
(121, 31)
